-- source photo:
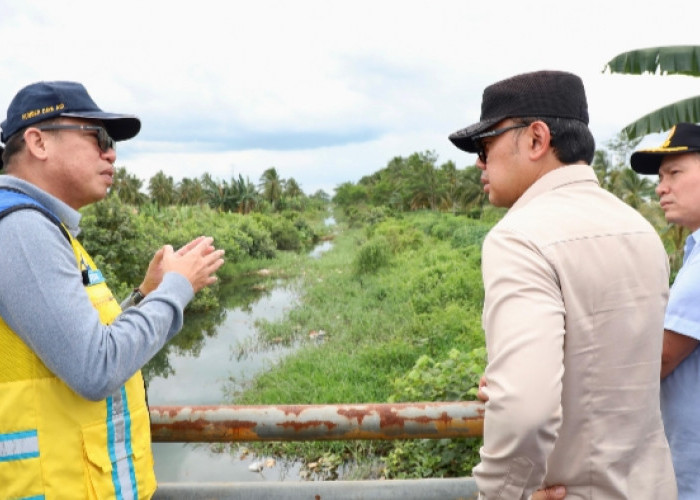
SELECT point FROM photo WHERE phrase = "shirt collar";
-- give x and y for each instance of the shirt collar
(562, 176)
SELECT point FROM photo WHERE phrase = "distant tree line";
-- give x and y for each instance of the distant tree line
(237, 195)
(418, 182)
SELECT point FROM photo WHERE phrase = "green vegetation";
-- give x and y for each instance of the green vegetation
(390, 313)
(400, 323)
(123, 232)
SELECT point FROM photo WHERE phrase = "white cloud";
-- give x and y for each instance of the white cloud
(325, 91)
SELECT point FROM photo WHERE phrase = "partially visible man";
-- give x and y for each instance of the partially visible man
(576, 284)
(677, 162)
(73, 416)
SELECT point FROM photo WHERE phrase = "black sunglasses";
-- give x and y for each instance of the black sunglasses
(480, 150)
(104, 141)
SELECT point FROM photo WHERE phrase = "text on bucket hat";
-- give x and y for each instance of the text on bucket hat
(546, 94)
(682, 138)
(42, 101)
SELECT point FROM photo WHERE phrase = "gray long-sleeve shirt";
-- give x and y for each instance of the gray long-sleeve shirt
(42, 298)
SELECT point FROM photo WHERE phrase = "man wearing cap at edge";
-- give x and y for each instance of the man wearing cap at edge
(73, 416)
(677, 162)
(571, 322)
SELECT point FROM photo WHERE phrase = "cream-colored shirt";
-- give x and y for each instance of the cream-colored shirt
(576, 284)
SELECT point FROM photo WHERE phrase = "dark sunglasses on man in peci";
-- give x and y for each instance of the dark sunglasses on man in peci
(480, 150)
(104, 141)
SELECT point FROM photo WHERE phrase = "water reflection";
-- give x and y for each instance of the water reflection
(324, 246)
(198, 372)
(202, 373)
(239, 294)
(179, 462)
(207, 363)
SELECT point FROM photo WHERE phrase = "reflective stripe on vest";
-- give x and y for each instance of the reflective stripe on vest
(19, 445)
(119, 445)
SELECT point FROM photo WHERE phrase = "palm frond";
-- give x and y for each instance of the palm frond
(687, 110)
(673, 60)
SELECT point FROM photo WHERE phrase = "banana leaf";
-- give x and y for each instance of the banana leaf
(673, 60)
(687, 110)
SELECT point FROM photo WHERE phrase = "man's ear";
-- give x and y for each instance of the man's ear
(34, 140)
(540, 140)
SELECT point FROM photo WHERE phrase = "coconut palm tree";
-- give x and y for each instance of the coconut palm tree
(127, 187)
(422, 181)
(292, 188)
(190, 192)
(161, 187)
(470, 191)
(634, 189)
(271, 185)
(672, 60)
(248, 197)
(214, 192)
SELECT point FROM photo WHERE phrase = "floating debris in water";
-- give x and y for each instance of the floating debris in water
(256, 467)
(259, 465)
(318, 336)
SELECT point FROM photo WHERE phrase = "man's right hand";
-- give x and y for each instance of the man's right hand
(551, 493)
(481, 395)
(196, 261)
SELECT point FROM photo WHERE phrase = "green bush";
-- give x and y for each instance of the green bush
(469, 234)
(122, 239)
(454, 379)
(372, 256)
(399, 235)
(445, 277)
(112, 236)
(261, 245)
(443, 328)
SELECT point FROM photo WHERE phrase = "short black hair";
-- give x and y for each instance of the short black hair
(571, 139)
(15, 143)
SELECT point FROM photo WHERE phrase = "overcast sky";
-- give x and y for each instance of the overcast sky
(327, 91)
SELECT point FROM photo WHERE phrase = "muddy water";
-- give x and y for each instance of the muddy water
(208, 370)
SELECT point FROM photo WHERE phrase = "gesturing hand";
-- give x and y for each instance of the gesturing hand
(197, 261)
(155, 271)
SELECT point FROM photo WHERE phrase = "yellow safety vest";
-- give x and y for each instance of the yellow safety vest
(55, 444)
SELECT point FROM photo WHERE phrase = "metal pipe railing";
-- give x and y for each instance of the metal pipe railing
(404, 489)
(317, 422)
(314, 423)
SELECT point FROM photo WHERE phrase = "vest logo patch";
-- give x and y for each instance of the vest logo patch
(94, 276)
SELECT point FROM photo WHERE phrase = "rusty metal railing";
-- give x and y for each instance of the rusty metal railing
(313, 423)
(317, 422)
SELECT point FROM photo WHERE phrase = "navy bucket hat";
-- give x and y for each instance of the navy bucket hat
(42, 101)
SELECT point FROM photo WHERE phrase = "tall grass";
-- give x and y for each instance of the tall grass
(386, 300)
